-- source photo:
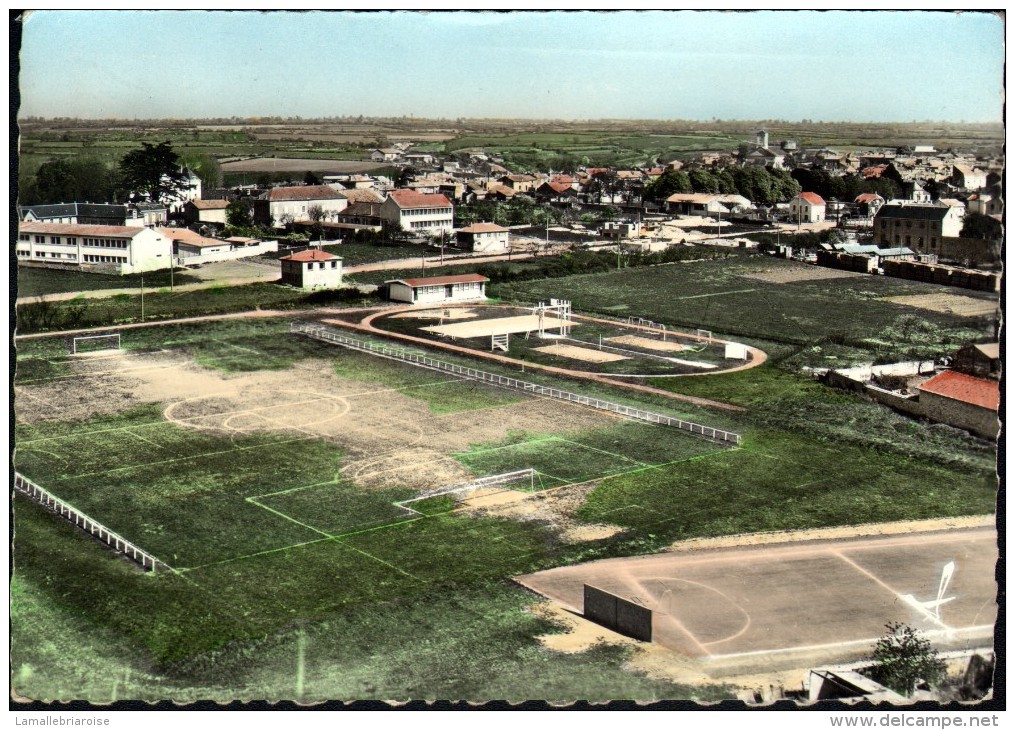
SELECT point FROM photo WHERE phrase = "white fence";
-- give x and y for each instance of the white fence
(86, 523)
(326, 334)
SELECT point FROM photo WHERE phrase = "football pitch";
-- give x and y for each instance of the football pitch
(203, 468)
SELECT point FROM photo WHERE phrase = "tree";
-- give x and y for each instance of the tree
(902, 659)
(977, 225)
(238, 215)
(316, 215)
(153, 171)
(311, 179)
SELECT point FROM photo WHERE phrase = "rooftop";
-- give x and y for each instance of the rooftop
(965, 388)
(73, 229)
(312, 254)
(305, 192)
(412, 199)
(441, 280)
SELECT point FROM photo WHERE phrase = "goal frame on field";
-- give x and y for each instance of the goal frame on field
(74, 344)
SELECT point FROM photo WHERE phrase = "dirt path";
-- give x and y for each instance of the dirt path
(249, 314)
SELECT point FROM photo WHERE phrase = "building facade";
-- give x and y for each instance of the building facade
(963, 401)
(920, 227)
(312, 269)
(107, 249)
(438, 289)
(418, 212)
(484, 237)
(297, 204)
(807, 208)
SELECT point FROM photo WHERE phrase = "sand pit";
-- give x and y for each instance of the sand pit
(499, 326)
(580, 353)
(649, 343)
(447, 314)
(791, 274)
(949, 304)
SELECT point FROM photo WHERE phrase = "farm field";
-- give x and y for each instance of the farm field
(727, 298)
(264, 467)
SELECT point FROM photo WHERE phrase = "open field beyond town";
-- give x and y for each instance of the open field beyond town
(265, 468)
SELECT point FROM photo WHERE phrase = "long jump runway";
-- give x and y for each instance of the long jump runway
(821, 601)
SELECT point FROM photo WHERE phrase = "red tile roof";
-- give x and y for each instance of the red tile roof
(441, 280)
(965, 388)
(412, 199)
(812, 198)
(483, 228)
(309, 255)
(866, 198)
(304, 192)
(558, 187)
(73, 229)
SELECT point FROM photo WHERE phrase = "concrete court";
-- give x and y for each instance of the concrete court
(759, 608)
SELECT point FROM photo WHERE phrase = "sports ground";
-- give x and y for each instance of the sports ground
(749, 610)
(271, 472)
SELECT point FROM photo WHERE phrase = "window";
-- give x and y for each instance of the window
(54, 239)
(40, 239)
(334, 264)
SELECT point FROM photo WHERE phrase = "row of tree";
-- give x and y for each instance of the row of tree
(758, 184)
(845, 187)
(152, 172)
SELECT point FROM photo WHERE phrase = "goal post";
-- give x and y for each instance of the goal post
(94, 343)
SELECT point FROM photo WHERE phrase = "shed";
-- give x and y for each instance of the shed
(438, 289)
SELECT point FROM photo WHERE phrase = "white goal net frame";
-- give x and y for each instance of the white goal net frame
(76, 342)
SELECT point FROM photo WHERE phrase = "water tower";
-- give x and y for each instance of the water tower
(761, 138)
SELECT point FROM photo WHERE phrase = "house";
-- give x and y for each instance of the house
(418, 212)
(868, 204)
(85, 214)
(387, 154)
(518, 183)
(438, 289)
(311, 269)
(149, 214)
(985, 204)
(188, 244)
(496, 191)
(920, 227)
(968, 178)
(109, 249)
(807, 208)
(485, 237)
(205, 211)
(981, 361)
(297, 203)
(764, 157)
(621, 229)
(556, 191)
(963, 401)
(704, 203)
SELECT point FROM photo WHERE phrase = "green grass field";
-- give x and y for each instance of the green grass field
(273, 546)
(720, 296)
(33, 281)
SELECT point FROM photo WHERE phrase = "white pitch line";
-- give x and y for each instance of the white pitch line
(968, 632)
(899, 596)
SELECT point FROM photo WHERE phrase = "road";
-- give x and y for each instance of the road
(240, 281)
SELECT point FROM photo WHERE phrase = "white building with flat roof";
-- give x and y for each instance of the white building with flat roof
(438, 289)
(107, 249)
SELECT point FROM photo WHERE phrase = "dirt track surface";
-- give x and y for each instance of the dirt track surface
(366, 325)
(761, 609)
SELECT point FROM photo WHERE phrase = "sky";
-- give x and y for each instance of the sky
(792, 65)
